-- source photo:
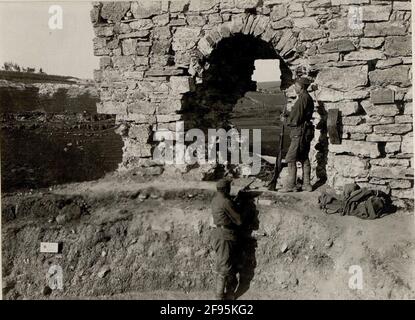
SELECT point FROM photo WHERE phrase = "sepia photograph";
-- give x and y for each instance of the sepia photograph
(207, 150)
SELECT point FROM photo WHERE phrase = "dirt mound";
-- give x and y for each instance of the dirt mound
(153, 240)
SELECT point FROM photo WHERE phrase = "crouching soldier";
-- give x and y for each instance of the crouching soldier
(301, 134)
(225, 239)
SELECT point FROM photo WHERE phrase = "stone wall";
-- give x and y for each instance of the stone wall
(154, 53)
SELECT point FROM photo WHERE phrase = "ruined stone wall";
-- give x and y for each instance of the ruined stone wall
(153, 53)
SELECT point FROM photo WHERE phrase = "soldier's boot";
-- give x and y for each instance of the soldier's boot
(231, 284)
(290, 185)
(306, 176)
(220, 287)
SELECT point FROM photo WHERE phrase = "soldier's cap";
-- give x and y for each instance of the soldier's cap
(223, 184)
(303, 81)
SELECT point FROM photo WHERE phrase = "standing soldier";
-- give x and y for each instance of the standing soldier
(301, 134)
(226, 220)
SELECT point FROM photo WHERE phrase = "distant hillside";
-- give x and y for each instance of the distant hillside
(31, 77)
(269, 86)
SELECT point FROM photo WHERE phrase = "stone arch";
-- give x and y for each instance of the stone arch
(255, 25)
(237, 79)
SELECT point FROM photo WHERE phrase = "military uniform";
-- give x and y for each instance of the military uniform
(225, 237)
(301, 134)
(302, 130)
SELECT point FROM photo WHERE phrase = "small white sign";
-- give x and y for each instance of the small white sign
(49, 247)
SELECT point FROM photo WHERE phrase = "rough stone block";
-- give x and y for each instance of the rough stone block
(343, 79)
(406, 118)
(346, 107)
(349, 166)
(135, 34)
(110, 107)
(402, 5)
(347, 2)
(371, 42)
(162, 32)
(393, 128)
(358, 148)
(104, 62)
(377, 119)
(282, 24)
(142, 24)
(141, 61)
(329, 95)
(169, 106)
(164, 118)
(205, 46)
(365, 55)
(94, 15)
(203, 5)
(123, 62)
(352, 120)
(237, 23)
(141, 107)
(323, 58)
(383, 138)
(136, 149)
(361, 128)
(114, 11)
(104, 31)
(260, 27)
(339, 28)
(382, 96)
(180, 84)
(392, 147)
(376, 13)
(308, 22)
(133, 75)
(246, 4)
(398, 46)
(214, 18)
(384, 64)
(400, 184)
(398, 76)
(390, 162)
(99, 43)
(141, 133)
(129, 46)
(162, 19)
(177, 23)
(278, 12)
(377, 29)
(145, 9)
(160, 47)
(387, 110)
(407, 143)
(195, 20)
(357, 136)
(337, 46)
(178, 5)
(319, 4)
(185, 38)
(311, 34)
(356, 94)
(408, 109)
(391, 172)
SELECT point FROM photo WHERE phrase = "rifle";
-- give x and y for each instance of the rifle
(278, 159)
(246, 187)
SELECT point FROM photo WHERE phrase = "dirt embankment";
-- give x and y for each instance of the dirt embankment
(152, 240)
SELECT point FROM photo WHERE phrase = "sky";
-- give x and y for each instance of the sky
(26, 39)
(267, 70)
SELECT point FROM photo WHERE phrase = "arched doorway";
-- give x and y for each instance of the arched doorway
(227, 96)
